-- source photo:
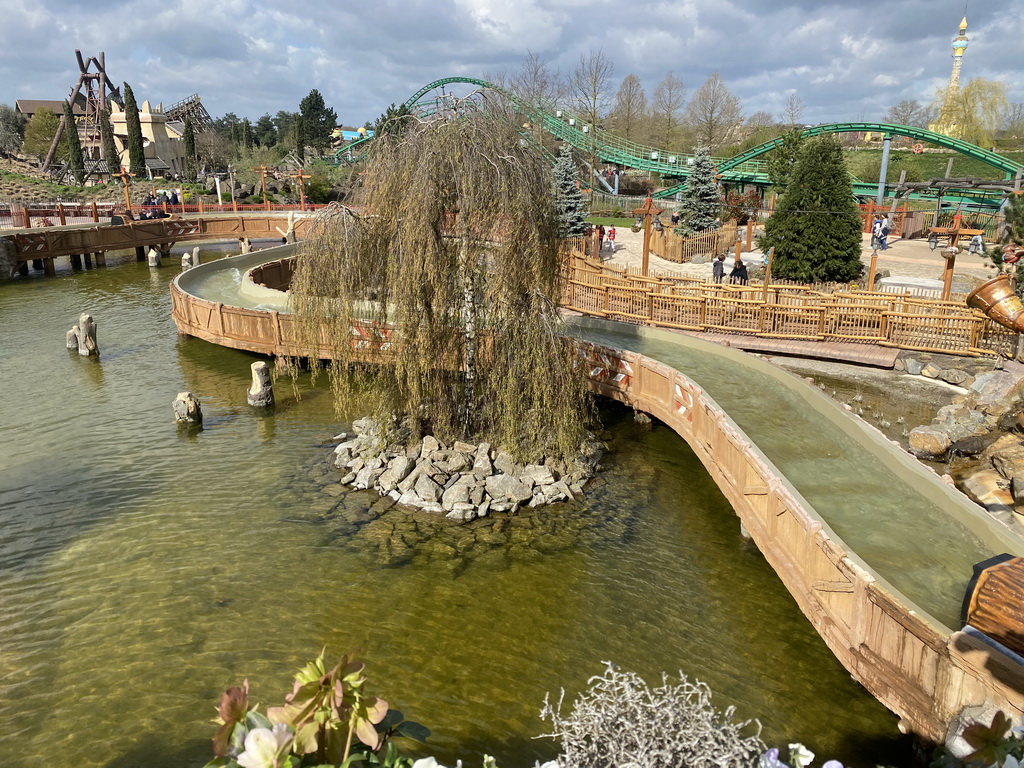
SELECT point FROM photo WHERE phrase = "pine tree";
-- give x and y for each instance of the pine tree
(568, 197)
(247, 134)
(189, 138)
(701, 200)
(136, 153)
(318, 120)
(779, 162)
(110, 154)
(76, 162)
(816, 228)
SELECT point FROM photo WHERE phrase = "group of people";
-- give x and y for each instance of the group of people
(606, 237)
(880, 233)
(738, 274)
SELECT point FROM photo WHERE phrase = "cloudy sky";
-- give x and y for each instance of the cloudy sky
(844, 60)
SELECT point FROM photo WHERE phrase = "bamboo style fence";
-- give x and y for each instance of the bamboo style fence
(781, 311)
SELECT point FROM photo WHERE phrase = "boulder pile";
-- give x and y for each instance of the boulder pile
(975, 419)
(462, 481)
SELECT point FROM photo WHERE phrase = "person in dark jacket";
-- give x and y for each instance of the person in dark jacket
(739, 273)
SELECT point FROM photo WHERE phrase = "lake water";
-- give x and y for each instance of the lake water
(143, 569)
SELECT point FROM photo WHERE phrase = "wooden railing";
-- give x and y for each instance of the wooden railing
(782, 311)
(681, 250)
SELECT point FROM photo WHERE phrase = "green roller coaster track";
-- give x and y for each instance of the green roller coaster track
(743, 168)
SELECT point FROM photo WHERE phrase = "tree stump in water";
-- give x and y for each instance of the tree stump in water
(261, 392)
(83, 336)
(187, 409)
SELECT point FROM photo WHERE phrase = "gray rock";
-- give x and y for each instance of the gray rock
(429, 446)
(476, 494)
(505, 487)
(346, 479)
(540, 475)
(427, 489)
(483, 508)
(504, 462)
(462, 447)
(924, 442)
(913, 366)
(366, 477)
(457, 494)
(953, 376)
(387, 482)
(342, 458)
(401, 466)
(461, 511)
(482, 466)
(458, 462)
(930, 371)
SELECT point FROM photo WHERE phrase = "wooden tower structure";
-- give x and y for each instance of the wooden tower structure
(96, 89)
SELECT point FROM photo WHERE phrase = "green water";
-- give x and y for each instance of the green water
(863, 495)
(143, 569)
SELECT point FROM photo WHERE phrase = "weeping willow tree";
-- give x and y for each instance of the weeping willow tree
(451, 274)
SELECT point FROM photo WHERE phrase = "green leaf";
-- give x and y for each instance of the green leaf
(256, 719)
(413, 730)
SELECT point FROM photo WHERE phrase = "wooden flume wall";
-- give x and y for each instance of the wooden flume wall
(921, 670)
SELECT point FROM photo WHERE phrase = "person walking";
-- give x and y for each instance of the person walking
(718, 268)
(883, 233)
(611, 239)
(876, 230)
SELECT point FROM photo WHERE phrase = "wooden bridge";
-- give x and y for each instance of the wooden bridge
(919, 668)
(41, 246)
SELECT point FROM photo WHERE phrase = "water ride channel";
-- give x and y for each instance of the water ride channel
(143, 569)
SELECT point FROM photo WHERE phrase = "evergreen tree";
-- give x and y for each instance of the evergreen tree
(191, 169)
(12, 129)
(318, 121)
(136, 153)
(701, 201)
(76, 161)
(300, 139)
(247, 134)
(816, 228)
(110, 154)
(568, 197)
(781, 159)
(393, 122)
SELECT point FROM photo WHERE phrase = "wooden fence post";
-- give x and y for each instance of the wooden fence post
(95, 213)
(60, 214)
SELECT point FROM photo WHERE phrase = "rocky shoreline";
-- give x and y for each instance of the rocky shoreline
(463, 481)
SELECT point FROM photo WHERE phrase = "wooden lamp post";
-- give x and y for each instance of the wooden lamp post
(126, 179)
(647, 211)
(263, 184)
(301, 177)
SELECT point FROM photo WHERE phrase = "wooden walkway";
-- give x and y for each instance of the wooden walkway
(847, 352)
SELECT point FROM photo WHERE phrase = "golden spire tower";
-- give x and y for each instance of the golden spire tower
(947, 122)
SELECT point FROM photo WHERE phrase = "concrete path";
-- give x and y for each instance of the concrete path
(903, 259)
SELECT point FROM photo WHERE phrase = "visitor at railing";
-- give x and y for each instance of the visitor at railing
(739, 273)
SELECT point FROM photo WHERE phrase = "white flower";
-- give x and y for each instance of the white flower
(263, 746)
(427, 762)
(800, 755)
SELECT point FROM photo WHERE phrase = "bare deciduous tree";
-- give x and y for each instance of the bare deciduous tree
(588, 89)
(760, 119)
(666, 109)
(910, 112)
(630, 107)
(793, 111)
(535, 81)
(713, 112)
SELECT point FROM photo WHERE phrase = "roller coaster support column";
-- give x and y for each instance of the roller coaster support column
(882, 174)
(647, 211)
